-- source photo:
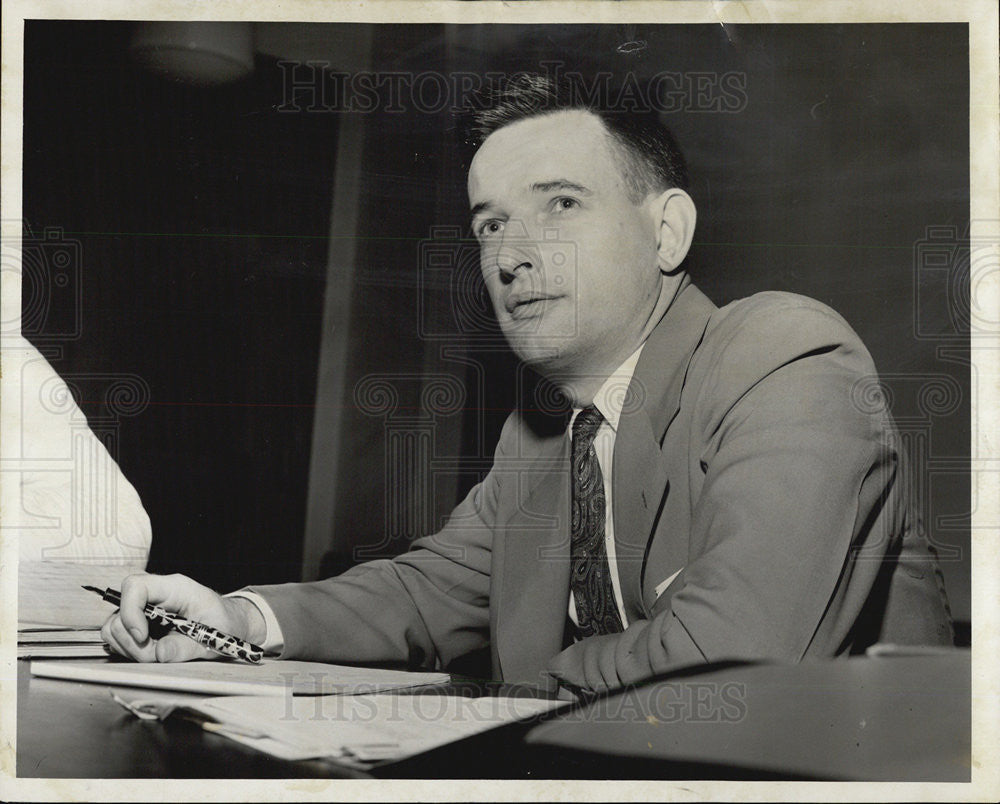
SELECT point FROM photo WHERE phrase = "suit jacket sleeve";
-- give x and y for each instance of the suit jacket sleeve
(795, 477)
(424, 607)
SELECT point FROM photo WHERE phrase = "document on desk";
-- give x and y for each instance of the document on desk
(356, 730)
(272, 677)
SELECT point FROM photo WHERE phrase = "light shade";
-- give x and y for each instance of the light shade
(202, 53)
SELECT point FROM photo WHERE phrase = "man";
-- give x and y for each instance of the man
(736, 502)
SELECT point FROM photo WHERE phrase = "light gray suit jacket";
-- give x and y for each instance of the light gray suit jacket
(750, 461)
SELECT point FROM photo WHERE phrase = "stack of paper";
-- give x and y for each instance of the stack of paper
(54, 642)
(355, 730)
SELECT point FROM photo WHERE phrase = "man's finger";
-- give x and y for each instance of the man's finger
(556, 667)
(565, 667)
(139, 651)
(593, 670)
(135, 595)
(172, 592)
(110, 640)
(106, 629)
(606, 661)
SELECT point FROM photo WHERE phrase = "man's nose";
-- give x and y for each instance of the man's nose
(510, 263)
(517, 252)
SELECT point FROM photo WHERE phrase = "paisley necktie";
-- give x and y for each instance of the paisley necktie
(590, 575)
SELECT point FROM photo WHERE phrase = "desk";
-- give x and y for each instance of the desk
(867, 715)
(67, 729)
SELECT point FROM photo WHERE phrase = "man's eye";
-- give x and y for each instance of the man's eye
(564, 203)
(488, 228)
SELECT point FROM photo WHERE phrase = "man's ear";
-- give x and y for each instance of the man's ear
(675, 216)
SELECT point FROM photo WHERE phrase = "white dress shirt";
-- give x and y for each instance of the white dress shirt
(609, 399)
(274, 640)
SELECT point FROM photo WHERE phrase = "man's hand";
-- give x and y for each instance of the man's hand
(127, 630)
(589, 664)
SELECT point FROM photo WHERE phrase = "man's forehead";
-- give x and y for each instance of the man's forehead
(538, 149)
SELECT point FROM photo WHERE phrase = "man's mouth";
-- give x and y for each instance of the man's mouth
(525, 305)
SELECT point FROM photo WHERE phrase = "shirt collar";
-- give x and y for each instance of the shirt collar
(610, 397)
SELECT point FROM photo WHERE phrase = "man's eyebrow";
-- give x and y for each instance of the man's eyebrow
(559, 184)
(477, 208)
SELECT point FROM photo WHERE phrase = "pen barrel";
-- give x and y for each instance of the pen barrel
(158, 616)
(219, 642)
(109, 595)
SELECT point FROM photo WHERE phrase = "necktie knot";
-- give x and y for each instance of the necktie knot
(588, 421)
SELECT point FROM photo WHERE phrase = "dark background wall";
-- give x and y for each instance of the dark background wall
(825, 160)
(201, 217)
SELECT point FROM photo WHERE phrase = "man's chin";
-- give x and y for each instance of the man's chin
(547, 356)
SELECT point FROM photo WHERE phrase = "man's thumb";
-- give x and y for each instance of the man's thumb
(176, 647)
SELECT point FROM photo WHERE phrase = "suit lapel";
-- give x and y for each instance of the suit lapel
(641, 479)
(534, 587)
(640, 484)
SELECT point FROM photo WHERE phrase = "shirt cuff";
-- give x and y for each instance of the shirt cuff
(274, 640)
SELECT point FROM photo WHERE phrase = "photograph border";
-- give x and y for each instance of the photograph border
(982, 16)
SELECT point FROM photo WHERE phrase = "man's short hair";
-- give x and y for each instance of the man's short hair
(651, 160)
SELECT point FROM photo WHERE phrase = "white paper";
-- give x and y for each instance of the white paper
(361, 728)
(270, 677)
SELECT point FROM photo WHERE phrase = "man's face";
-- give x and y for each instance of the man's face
(568, 259)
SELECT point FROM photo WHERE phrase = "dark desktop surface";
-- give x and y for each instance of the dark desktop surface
(900, 718)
